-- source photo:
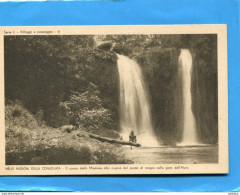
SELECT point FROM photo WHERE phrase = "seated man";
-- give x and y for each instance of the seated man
(132, 137)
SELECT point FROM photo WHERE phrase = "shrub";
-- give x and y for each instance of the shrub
(17, 115)
(86, 109)
(94, 119)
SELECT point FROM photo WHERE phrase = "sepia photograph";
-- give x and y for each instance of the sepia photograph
(113, 99)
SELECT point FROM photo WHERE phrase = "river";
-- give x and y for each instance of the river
(173, 155)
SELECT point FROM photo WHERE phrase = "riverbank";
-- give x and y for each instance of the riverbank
(29, 141)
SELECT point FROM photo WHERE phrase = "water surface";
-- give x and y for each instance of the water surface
(173, 155)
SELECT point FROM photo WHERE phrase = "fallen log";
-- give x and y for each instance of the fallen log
(112, 141)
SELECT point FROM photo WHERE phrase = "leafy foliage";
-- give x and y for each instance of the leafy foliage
(42, 71)
(86, 110)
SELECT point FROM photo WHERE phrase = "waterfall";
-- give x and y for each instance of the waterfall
(189, 127)
(134, 103)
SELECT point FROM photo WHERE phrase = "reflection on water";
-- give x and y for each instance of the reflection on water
(174, 155)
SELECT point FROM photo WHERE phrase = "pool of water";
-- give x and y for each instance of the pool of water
(173, 155)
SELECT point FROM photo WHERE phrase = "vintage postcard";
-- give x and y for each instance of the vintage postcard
(103, 100)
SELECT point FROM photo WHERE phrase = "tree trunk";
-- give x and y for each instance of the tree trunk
(112, 141)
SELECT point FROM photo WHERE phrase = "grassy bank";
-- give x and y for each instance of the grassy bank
(30, 141)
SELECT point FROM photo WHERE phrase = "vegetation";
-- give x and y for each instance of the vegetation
(52, 68)
(31, 143)
(54, 81)
(86, 110)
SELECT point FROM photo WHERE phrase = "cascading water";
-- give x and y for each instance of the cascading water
(189, 127)
(134, 103)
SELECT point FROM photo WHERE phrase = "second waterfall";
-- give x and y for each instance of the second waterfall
(189, 136)
(135, 114)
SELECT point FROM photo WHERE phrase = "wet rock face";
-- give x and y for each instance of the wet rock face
(160, 68)
(105, 46)
(122, 50)
(205, 88)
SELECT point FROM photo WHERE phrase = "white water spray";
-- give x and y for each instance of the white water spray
(189, 126)
(134, 103)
